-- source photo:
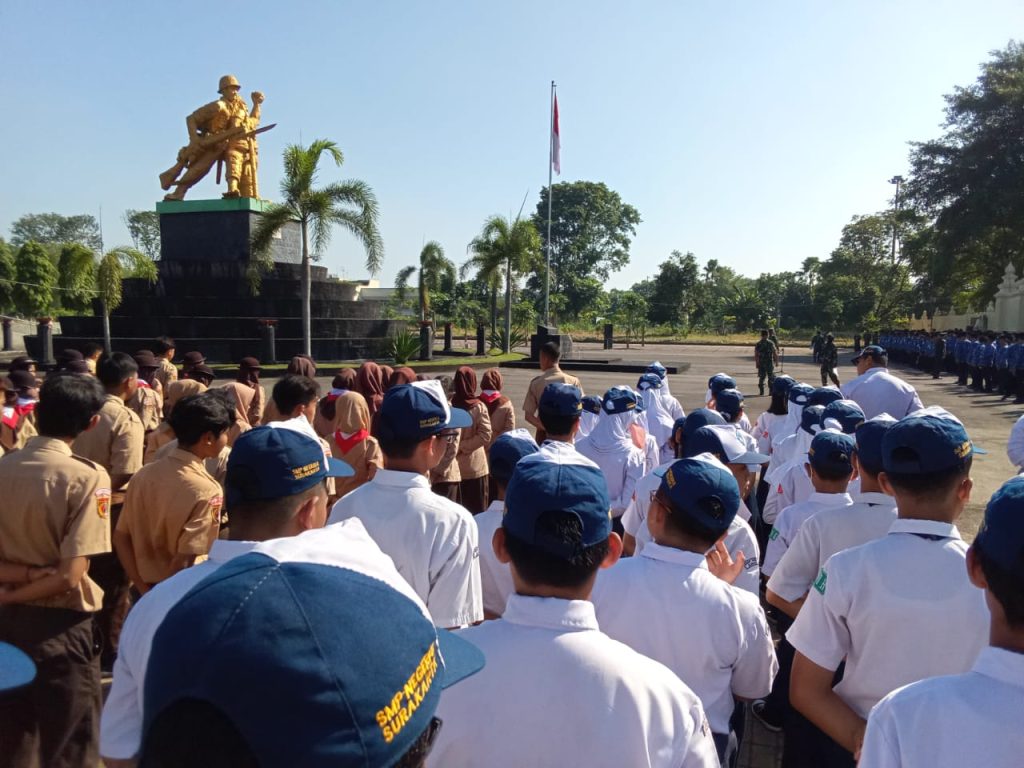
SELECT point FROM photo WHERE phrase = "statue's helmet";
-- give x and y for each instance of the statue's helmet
(227, 82)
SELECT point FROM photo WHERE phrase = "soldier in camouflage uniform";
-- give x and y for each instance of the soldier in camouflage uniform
(766, 355)
(829, 359)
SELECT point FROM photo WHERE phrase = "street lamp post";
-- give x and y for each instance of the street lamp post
(898, 181)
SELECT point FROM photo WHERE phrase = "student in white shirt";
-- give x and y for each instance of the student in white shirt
(900, 608)
(588, 417)
(556, 691)
(798, 394)
(432, 540)
(666, 603)
(610, 445)
(671, 403)
(560, 410)
(267, 501)
(717, 383)
(657, 417)
(972, 718)
(876, 390)
(767, 428)
(505, 452)
(828, 531)
(829, 467)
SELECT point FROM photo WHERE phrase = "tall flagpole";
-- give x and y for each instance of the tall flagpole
(551, 192)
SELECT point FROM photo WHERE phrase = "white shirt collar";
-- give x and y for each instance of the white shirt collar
(224, 550)
(398, 479)
(927, 527)
(657, 551)
(1001, 664)
(496, 506)
(831, 499)
(874, 497)
(550, 613)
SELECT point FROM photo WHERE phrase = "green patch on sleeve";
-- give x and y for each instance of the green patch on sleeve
(821, 581)
(774, 534)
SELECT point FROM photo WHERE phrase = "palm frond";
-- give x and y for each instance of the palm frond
(402, 281)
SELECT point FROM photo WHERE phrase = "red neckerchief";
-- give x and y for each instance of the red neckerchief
(23, 409)
(12, 420)
(144, 385)
(490, 398)
(348, 443)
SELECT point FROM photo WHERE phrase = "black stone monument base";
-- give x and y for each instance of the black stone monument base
(203, 300)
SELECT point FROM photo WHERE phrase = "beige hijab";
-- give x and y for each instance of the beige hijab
(241, 396)
(351, 413)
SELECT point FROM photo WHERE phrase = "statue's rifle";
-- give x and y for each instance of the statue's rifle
(187, 153)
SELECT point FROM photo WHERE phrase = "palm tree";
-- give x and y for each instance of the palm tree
(505, 246)
(117, 264)
(350, 204)
(434, 268)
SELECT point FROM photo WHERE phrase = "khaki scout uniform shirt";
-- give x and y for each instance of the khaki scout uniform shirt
(148, 405)
(172, 507)
(116, 442)
(166, 373)
(56, 506)
(553, 375)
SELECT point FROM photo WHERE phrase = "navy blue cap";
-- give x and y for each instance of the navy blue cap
(729, 402)
(561, 400)
(782, 385)
(274, 461)
(810, 419)
(799, 393)
(507, 450)
(844, 415)
(723, 443)
(591, 404)
(417, 411)
(16, 668)
(557, 485)
(831, 452)
(649, 381)
(721, 381)
(657, 368)
(869, 442)
(872, 350)
(620, 400)
(1001, 536)
(824, 396)
(702, 491)
(694, 420)
(316, 636)
(920, 445)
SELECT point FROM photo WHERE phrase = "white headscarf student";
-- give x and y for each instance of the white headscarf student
(672, 405)
(1015, 445)
(642, 437)
(610, 445)
(659, 419)
(798, 395)
(588, 416)
(796, 444)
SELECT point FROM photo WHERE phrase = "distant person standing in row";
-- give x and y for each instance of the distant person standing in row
(550, 354)
(829, 360)
(766, 357)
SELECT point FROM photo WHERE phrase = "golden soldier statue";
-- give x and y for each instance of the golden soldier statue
(222, 132)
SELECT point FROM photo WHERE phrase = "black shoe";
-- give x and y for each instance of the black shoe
(770, 720)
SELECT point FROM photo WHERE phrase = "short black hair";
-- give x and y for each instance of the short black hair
(67, 403)
(538, 566)
(114, 369)
(399, 447)
(930, 485)
(556, 424)
(866, 468)
(195, 415)
(162, 344)
(1006, 588)
(213, 739)
(293, 390)
(552, 350)
(266, 514)
(779, 405)
(90, 348)
(832, 475)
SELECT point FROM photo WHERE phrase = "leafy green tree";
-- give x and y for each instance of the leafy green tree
(672, 295)
(970, 181)
(53, 228)
(110, 272)
(144, 230)
(434, 270)
(37, 278)
(630, 312)
(591, 231)
(349, 204)
(508, 246)
(76, 280)
(8, 274)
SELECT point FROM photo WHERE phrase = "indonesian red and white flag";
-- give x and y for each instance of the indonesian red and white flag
(556, 144)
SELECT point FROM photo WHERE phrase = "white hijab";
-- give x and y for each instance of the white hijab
(659, 420)
(611, 433)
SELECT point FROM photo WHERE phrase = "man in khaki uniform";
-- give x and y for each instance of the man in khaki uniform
(163, 348)
(55, 515)
(550, 354)
(172, 509)
(116, 444)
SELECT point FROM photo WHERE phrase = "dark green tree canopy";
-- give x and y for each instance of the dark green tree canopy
(53, 228)
(591, 231)
(144, 230)
(37, 278)
(671, 297)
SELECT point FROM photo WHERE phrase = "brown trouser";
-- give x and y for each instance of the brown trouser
(108, 573)
(452, 491)
(474, 494)
(53, 722)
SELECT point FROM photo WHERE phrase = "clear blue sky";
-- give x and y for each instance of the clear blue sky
(744, 132)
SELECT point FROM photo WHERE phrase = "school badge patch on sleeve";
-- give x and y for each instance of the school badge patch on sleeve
(821, 581)
(774, 534)
(216, 504)
(102, 496)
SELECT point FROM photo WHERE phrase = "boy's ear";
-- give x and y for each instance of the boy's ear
(883, 480)
(974, 570)
(614, 550)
